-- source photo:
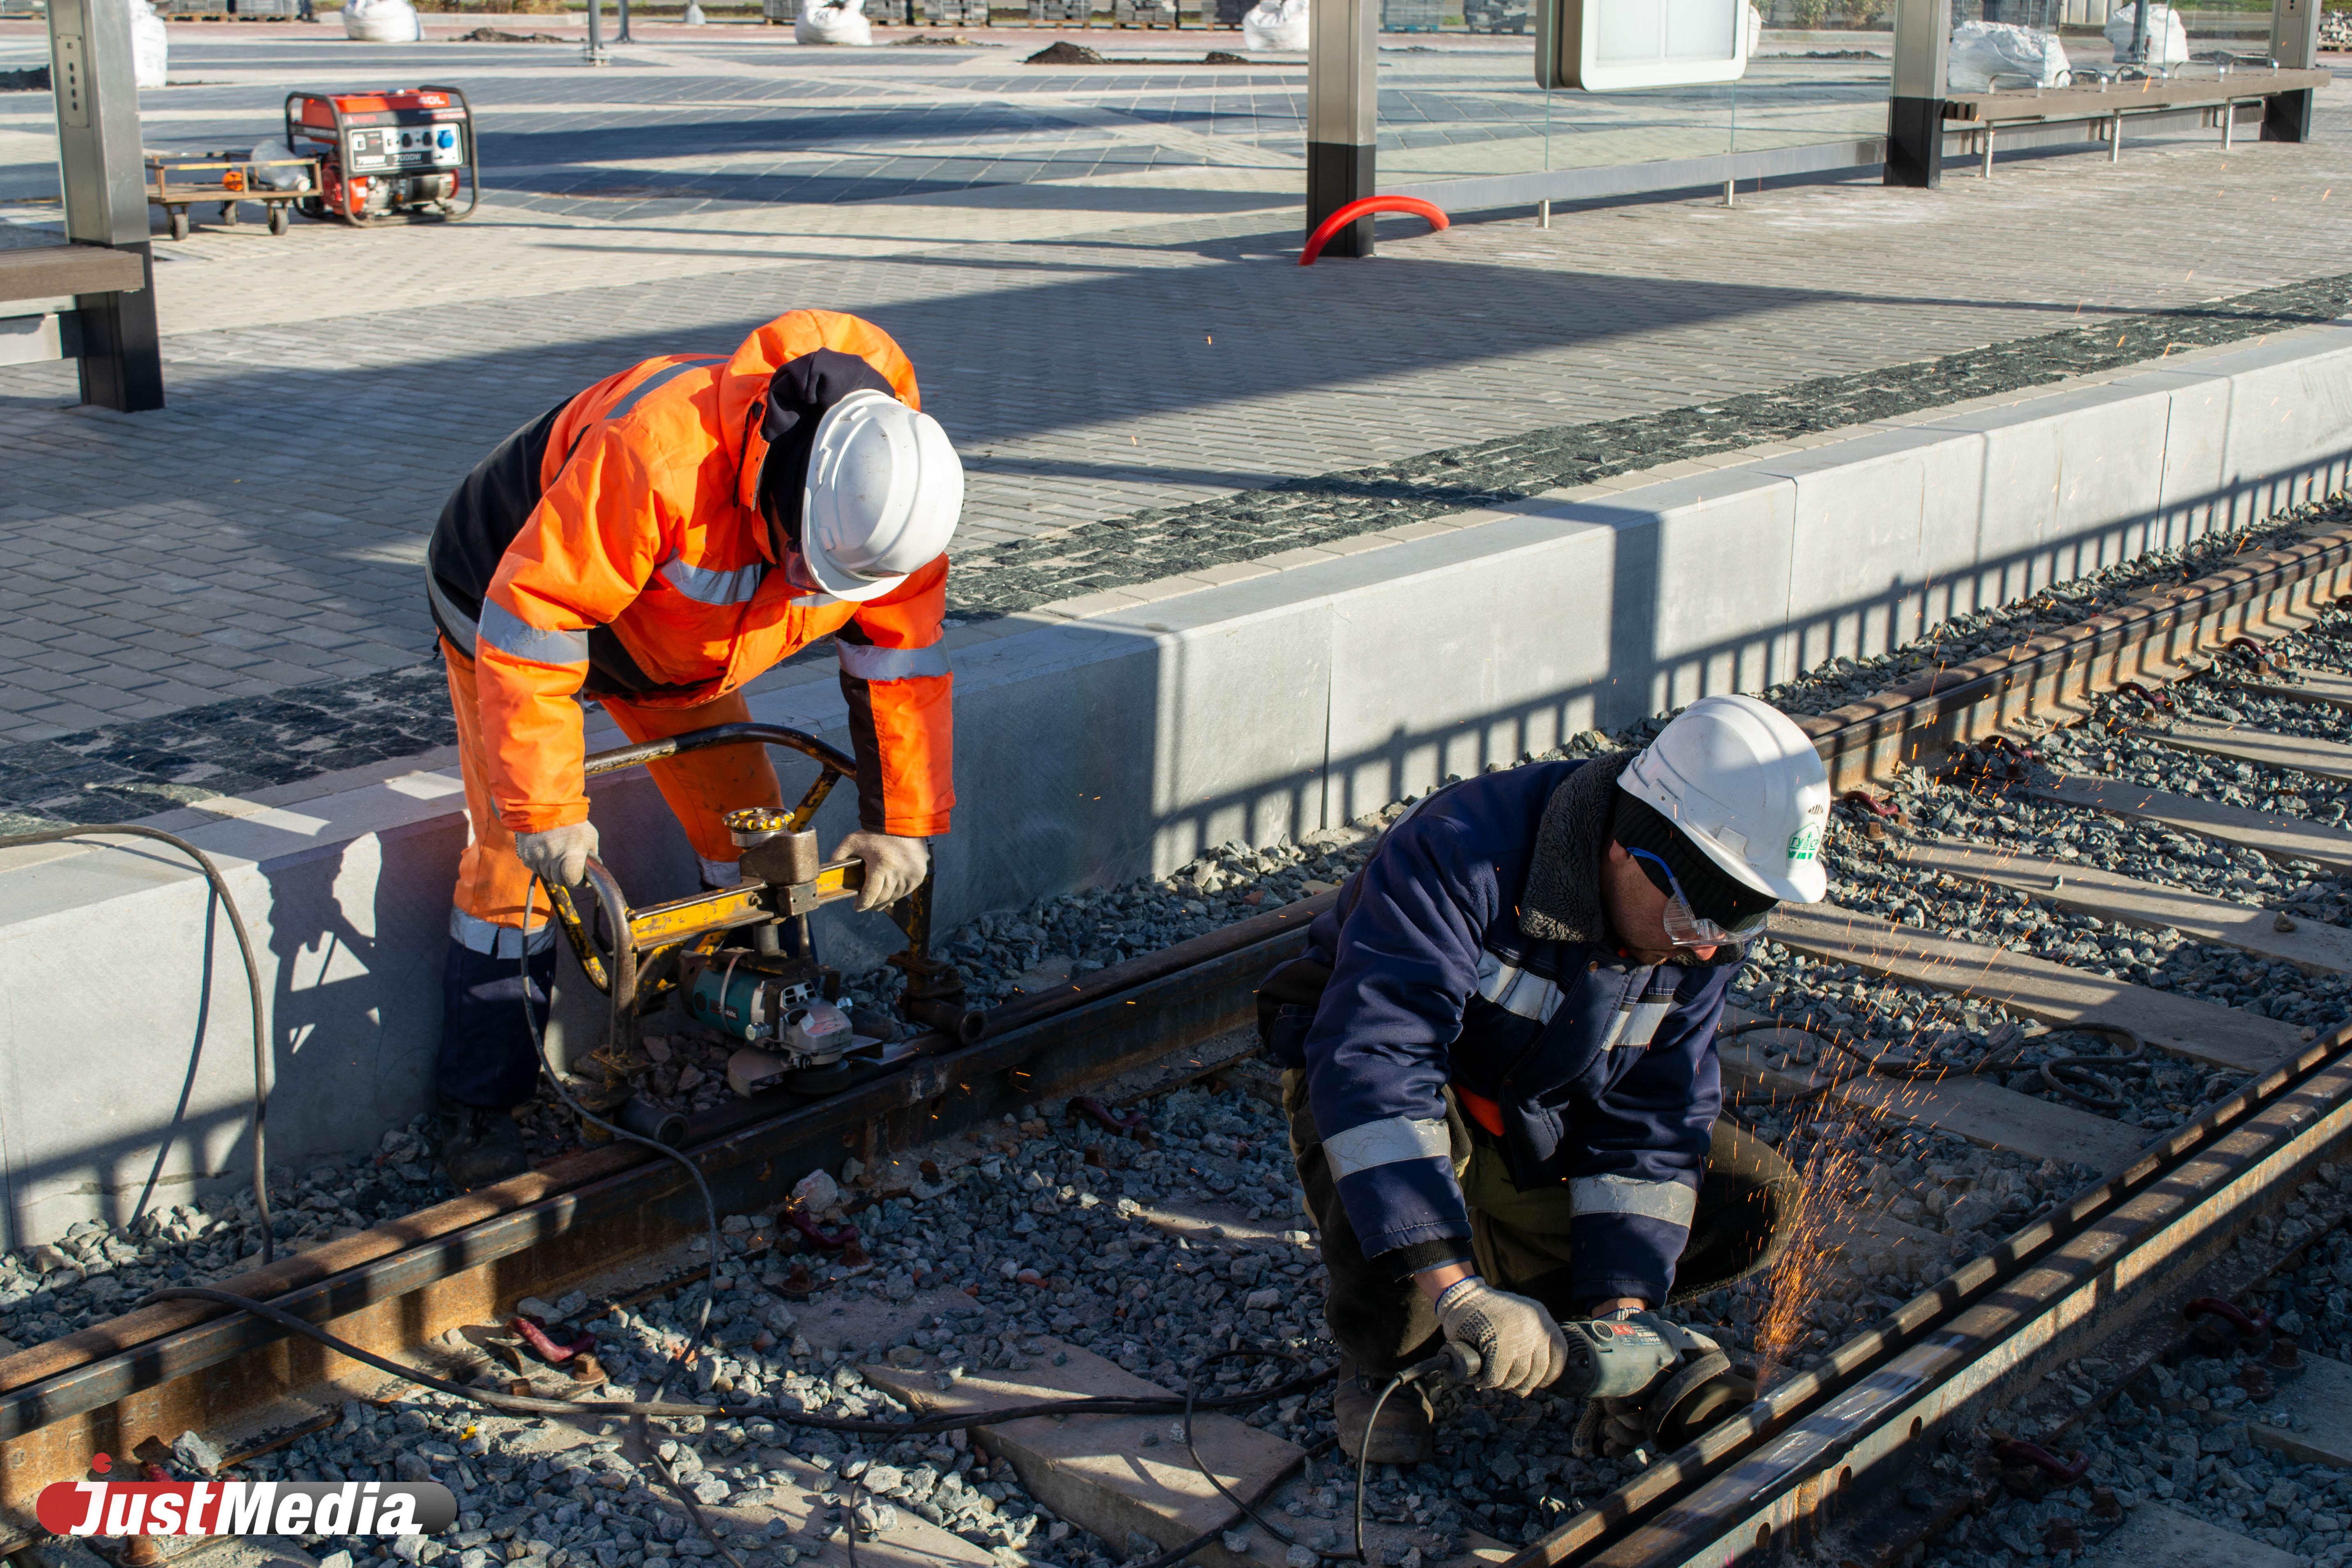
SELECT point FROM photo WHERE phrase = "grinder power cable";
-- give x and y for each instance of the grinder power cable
(1644, 1379)
(638, 1411)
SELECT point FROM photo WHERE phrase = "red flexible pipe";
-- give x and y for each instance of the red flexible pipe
(1358, 208)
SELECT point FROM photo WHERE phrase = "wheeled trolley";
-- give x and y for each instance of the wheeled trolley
(176, 182)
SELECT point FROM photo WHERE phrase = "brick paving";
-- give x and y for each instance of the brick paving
(1142, 380)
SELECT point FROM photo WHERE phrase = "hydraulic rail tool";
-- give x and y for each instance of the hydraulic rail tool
(739, 959)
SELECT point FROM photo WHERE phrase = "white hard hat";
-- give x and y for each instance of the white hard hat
(884, 490)
(1744, 784)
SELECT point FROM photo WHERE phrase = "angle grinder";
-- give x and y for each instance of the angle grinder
(1647, 1381)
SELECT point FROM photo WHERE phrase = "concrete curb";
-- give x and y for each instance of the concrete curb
(1099, 748)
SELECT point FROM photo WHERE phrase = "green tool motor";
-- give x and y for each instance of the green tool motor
(773, 1006)
(1646, 1382)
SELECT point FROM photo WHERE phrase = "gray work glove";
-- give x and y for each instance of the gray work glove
(894, 867)
(560, 855)
(1519, 1348)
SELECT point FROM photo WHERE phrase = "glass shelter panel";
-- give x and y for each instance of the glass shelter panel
(1458, 98)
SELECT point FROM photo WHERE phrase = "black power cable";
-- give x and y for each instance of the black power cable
(639, 1411)
(252, 982)
(685, 1353)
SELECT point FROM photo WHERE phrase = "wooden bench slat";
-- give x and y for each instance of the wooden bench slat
(46, 271)
(2089, 103)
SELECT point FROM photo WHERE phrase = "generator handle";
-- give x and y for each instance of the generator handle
(473, 151)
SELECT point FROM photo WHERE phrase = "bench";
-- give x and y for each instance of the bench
(115, 372)
(2102, 109)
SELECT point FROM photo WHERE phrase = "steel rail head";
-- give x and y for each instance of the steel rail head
(1191, 991)
(1868, 724)
(1865, 1373)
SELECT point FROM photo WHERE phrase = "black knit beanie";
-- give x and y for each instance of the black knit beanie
(799, 394)
(1714, 893)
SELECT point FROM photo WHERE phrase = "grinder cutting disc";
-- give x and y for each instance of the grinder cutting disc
(816, 1080)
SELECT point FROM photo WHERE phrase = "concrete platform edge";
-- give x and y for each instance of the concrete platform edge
(1097, 750)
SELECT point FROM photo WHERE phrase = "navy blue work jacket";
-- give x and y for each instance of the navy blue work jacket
(1604, 1070)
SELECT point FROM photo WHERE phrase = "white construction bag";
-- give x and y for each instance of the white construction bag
(1986, 55)
(1275, 25)
(383, 22)
(834, 22)
(283, 176)
(150, 45)
(2168, 36)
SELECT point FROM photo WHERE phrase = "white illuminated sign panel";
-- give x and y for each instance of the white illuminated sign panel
(1612, 46)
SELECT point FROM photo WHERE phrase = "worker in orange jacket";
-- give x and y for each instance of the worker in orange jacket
(652, 544)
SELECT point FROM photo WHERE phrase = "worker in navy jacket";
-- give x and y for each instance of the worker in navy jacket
(1499, 1053)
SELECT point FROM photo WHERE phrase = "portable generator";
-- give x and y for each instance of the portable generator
(387, 153)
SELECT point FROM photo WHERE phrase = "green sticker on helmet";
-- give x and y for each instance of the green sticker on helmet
(1805, 844)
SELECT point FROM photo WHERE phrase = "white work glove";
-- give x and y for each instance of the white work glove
(560, 855)
(1519, 1348)
(894, 867)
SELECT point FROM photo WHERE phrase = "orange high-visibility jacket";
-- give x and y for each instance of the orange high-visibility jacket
(614, 547)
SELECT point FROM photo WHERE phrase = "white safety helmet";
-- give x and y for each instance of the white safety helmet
(884, 490)
(1739, 780)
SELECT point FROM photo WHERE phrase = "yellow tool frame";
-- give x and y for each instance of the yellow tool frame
(630, 955)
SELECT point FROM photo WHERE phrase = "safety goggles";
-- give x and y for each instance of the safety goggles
(1685, 926)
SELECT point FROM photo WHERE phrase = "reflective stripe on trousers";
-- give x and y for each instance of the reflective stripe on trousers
(890, 663)
(496, 941)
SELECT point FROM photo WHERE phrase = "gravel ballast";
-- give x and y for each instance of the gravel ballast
(1059, 1235)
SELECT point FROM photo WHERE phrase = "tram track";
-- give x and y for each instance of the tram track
(1818, 1441)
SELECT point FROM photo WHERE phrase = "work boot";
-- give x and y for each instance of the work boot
(1402, 1436)
(479, 1144)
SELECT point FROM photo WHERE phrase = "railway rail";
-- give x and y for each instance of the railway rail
(2110, 1267)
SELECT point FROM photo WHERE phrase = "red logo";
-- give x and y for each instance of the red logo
(243, 1507)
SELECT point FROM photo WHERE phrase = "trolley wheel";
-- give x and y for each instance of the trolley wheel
(280, 220)
(228, 214)
(313, 207)
(179, 221)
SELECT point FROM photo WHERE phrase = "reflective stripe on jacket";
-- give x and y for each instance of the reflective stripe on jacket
(612, 547)
(1600, 1073)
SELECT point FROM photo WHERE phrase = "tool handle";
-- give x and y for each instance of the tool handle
(1456, 1362)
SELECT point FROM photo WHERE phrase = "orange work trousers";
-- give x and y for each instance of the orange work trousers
(486, 913)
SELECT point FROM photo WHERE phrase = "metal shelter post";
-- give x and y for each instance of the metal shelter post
(1342, 110)
(621, 34)
(596, 54)
(104, 173)
(1915, 114)
(2294, 44)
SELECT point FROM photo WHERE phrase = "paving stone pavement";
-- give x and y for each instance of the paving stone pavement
(1141, 380)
